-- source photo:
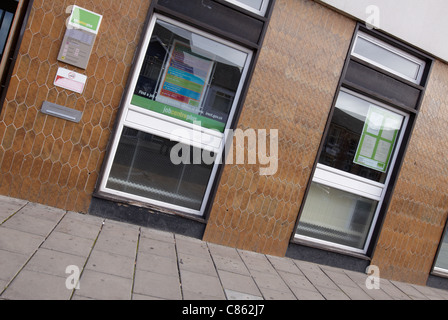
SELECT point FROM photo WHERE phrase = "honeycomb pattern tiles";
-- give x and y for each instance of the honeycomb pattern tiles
(47, 159)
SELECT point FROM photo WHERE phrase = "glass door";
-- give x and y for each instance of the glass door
(172, 130)
(352, 174)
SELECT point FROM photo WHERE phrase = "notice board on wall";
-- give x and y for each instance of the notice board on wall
(79, 38)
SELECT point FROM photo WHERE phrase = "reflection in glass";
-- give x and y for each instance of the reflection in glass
(189, 77)
(442, 258)
(344, 135)
(142, 167)
(336, 216)
(5, 25)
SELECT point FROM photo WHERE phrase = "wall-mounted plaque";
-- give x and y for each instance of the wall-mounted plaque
(82, 28)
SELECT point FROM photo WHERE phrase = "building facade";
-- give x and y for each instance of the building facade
(337, 115)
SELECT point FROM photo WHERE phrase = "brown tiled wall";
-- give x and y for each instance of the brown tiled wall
(50, 160)
(292, 90)
(419, 208)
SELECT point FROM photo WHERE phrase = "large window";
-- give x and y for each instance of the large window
(352, 174)
(182, 98)
(366, 136)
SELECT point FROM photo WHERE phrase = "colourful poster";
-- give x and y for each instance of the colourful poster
(378, 139)
(186, 76)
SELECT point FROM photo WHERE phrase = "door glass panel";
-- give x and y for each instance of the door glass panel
(142, 166)
(189, 77)
(336, 216)
(361, 138)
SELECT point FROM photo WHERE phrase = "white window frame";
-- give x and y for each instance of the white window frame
(261, 12)
(394, 50)
(354, 184)
(162, 125)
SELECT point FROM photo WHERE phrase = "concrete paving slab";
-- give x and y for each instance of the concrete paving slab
(116, 245)
(284, 264)
(160, 248)
(235, 295)
(296, 281)
(30, 224)
(303, 294)
(68, 243)
(201, 284)
(409, 290)
(238, 283)
(31, 285)
(270, 294)
(19, 241)
(340, 278)
(222, 251)
(269, 281)
(332, 293)
(102, 286)
(319, 278)
(72, 224)
(196, 264)
(256, 262)
(157, 235)
(122, 231)
(85, 218)
(157, 285)
(110, 263)
(430, 293)
(157, 264)
(53, 262)
(235, 265)
(10, 206)
(10, 264)
(42, 212)
(192, 247)
(392, 291)
(354, 293)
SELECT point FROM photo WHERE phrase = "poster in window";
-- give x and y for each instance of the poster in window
(378, 139)
(185, 79)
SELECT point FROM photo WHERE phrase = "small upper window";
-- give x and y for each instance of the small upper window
(256, 6)
(388, 57)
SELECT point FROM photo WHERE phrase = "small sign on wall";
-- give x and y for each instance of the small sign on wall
(82, 28)
(70, 80)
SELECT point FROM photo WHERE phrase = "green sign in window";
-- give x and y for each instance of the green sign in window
(378, 139)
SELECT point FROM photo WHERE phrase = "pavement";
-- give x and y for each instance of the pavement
(52, 254)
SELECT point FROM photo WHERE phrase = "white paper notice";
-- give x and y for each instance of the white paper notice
(368, 146)
(70, 80)
(383, 150)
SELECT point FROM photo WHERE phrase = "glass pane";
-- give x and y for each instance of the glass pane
(142, 167)
(387, 58)
(357, 128)
(336, 216)
(4, 28)
(189, 77)
(256, 4)
(442, 259)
